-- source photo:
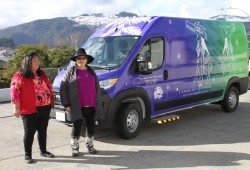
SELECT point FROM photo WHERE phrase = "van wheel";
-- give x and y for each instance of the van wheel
(128, 120)
(231, 100)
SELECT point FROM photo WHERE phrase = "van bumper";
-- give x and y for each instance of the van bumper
(106, 101)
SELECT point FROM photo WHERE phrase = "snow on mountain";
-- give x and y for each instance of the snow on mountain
(231, 18)
(94, 19)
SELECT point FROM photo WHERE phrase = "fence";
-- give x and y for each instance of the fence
(51, 73)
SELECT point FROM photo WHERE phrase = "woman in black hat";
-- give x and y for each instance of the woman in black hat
(80, 95)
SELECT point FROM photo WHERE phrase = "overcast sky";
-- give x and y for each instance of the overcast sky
(14, 12)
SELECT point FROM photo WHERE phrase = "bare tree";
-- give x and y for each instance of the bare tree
(61, 42)
(75, 38)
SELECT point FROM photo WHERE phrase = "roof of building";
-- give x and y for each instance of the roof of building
(2, 58)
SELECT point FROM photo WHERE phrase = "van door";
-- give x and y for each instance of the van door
(155, 81)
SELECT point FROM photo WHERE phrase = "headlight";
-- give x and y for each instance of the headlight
(106, 84)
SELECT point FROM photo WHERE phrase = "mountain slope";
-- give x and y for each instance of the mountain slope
(77, 29)
(58, 29)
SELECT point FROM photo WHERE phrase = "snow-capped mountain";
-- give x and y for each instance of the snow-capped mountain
(63, 28)
(82, 26)
(231, 18)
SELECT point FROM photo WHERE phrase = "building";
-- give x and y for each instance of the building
(3, 61)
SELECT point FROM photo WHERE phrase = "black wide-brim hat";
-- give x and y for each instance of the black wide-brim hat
(82, 52)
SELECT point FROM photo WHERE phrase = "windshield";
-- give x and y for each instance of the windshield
(109, 52)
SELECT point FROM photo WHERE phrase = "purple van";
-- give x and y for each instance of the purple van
(149, 67)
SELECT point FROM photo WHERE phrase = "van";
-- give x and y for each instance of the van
(149, 67)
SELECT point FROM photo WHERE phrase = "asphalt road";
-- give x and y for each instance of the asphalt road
(204, 138)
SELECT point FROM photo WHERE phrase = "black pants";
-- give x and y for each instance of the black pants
(36, 122)
(88, 113)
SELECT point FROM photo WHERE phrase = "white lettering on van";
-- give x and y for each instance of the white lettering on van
(150, 79)
(195, 90)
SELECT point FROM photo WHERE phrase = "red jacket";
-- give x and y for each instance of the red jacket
(27, 95)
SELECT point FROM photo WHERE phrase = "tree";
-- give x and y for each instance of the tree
(61, 42)
(14, 64)
(72, 40)
(53, 58)
(75, 38)
(7, 42)
(59, 57)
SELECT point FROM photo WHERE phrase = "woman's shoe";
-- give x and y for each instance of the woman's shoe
(75, 147)
(47, 154)
(90, 146)
(28, 159)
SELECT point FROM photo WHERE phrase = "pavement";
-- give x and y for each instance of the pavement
(204, 138)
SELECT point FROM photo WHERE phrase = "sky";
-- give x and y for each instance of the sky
(15, 12)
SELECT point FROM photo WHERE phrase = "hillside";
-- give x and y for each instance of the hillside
(54, 30)
(77, 29)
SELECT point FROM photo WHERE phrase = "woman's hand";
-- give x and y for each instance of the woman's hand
(16, 112)
(68, 109)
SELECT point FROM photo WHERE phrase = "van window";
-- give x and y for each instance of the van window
(155, 46)
(109, 52)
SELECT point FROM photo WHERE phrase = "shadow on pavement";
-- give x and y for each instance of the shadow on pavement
(206, 124)
(167, 159)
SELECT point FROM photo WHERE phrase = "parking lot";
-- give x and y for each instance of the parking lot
(204, 138)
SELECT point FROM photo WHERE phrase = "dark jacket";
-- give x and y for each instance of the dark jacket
(69, 93)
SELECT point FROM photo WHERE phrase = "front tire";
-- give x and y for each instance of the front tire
(231, 100)
(129, 120)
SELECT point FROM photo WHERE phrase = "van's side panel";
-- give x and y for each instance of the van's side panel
(200, 56)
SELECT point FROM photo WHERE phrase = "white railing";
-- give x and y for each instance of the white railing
(5, 95)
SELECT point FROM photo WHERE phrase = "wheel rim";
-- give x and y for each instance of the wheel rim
(232, 99)
(132, 121)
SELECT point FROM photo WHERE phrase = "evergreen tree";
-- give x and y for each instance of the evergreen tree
(7, 42)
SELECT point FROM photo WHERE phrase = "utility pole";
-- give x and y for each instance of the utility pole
(237, 9)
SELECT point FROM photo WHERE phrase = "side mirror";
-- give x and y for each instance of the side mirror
(144, 63)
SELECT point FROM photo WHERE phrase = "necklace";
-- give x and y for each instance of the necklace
(86, 74)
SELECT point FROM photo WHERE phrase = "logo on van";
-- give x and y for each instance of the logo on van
(227, 60)
(203, 61)
(158, 93)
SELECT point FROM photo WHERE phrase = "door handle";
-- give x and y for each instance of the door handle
(165, 74)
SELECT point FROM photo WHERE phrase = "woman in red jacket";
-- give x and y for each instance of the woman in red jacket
(32, 97)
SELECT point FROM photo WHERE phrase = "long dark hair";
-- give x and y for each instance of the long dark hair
(26, 69)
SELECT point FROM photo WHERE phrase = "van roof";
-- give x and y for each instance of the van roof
(138, 26)
(123, 27)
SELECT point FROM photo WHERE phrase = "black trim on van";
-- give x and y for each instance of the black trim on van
(187, 100)
(111, 106)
